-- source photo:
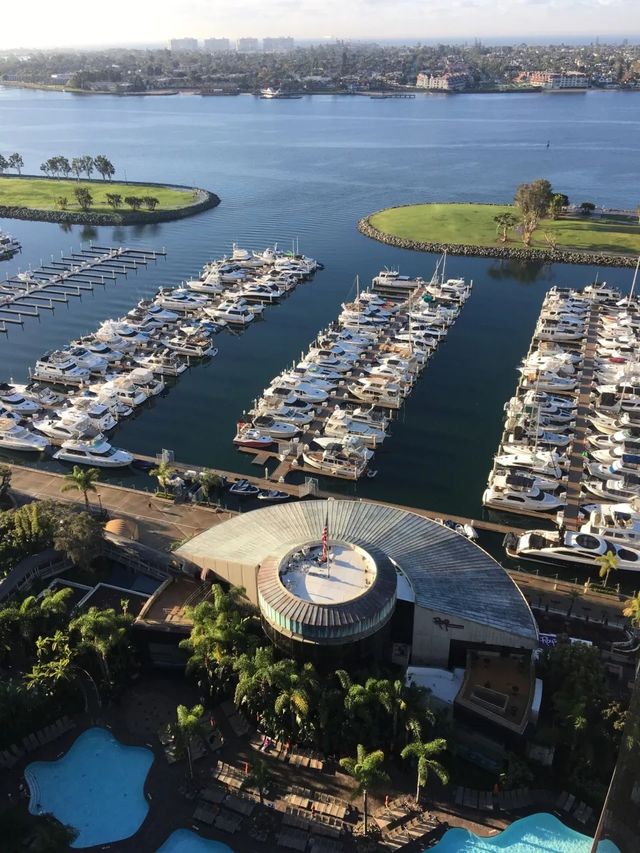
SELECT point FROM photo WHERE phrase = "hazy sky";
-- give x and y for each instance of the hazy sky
(61, 23)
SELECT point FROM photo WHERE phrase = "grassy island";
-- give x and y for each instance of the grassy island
(471, 229)
(56, 199)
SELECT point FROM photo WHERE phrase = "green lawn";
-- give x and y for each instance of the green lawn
(42, 194)
(472, 224)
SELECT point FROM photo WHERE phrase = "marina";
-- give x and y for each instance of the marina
(27, 293)
(570, 452)
(329, 413)
(78, 393)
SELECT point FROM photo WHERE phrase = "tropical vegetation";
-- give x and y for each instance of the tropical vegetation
(366, 769)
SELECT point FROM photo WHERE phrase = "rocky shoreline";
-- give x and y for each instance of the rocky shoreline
(204, 200)
(547, 256)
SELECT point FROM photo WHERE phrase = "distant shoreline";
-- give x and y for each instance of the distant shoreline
(199, 92)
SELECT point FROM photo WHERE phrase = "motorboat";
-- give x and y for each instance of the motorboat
(193, 346)
(546, 483)
(244, 489)
(291, 415)
(181, 300)
(99, 415)
(613, 491)
(124, 391)
(16, 437)
(247, 436)
(164, 362)
(348, 444)
(232, 313)
(59, 372)
(341, 423)
(515, 496)
(537, 460)
(144, 379)
(260, 292)
(100, 349)
(14, 401)
(618, 521)
(334, 462)
(210, 285)
(388, 394)
(304, 390)
(159, 313)
(65, 427)
(121, 336)
(268, 425)
(273, 495)
(84, 357)
(42, 395)
(97, 453)
(572, 548)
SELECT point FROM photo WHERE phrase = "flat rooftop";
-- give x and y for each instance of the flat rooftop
(348, 572)
(167, 607)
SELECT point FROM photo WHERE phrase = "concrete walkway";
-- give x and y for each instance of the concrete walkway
(160, 522)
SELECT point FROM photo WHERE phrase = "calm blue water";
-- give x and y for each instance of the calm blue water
(97, 787)
(185, 841)
(309, 169)
(541, 832)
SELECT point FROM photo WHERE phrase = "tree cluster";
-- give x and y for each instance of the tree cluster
(13, 161)
(61, 167)
(39, 525)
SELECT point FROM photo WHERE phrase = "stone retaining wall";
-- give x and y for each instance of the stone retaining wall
(205, 201)
(547, 256)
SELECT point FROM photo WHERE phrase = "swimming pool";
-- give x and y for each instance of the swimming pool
(185, 841)
(541, 832)
(97, 787)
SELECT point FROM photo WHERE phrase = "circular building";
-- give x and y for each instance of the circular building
(392, 581)
(333, 595)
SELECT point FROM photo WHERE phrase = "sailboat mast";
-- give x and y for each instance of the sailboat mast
(633, 283)
(444, 263)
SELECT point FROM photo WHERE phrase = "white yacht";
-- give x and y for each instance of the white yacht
(99, 415)
(194, 346)
(288, 414)
(269, 426)
(181, 300)
(379, 394)
(334, 462)
(146, 381)
(100, 349)
(16, 437)
(232, 313)
(124, 390)
(97, 453)
(537, 460)
(163, 362)
(210, 285)
(260, 292)
(65, 427)
(60, 372)
(14, 401)
(340, 424)
(513, 497)
(571, 549)
(42, 395)
(303, 390)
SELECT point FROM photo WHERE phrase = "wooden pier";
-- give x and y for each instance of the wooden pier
(579, 445)
(77, 273)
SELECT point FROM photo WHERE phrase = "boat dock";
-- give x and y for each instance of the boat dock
(25, 294)
(579, 445)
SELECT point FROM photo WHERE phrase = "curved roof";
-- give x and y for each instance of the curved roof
(122, 527)
(362, 614)
(447, 572)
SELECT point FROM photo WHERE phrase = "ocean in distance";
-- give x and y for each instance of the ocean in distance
(309, 169)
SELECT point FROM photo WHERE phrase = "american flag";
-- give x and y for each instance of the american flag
(325, 536)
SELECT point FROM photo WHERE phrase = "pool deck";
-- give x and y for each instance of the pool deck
(134, 720)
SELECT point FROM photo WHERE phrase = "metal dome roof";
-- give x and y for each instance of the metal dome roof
(447, 572)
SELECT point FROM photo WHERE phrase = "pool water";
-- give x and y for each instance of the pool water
(97, 787)
(185, 841)
(540, 832)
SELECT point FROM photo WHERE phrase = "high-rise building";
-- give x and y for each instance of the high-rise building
(217, 45)
(185, 44)
(247, 45)
(280, 44)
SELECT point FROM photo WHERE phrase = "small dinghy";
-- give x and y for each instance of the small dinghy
(273, 495)
(244, 489)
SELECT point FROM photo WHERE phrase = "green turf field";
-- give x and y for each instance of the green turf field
(42, 194)
(473, 225)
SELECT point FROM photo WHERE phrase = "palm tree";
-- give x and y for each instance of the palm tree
(294, 691)
(210, 482)
(255, 683)
(82, 480)
(504, 223)
(608, 563)
(101, 631)
(423, 752)
(366, 769)
(259, 778)
(632, 610)
(54, 665)
(188, 725)
(162, 472)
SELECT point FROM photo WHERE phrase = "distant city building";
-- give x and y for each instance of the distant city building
(280, 44)
(185, 44)
(447, 82)
(558, 80)
(217, 45)
(248, 45)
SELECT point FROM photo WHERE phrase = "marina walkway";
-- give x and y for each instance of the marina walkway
(162, 523)
(578, 448)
